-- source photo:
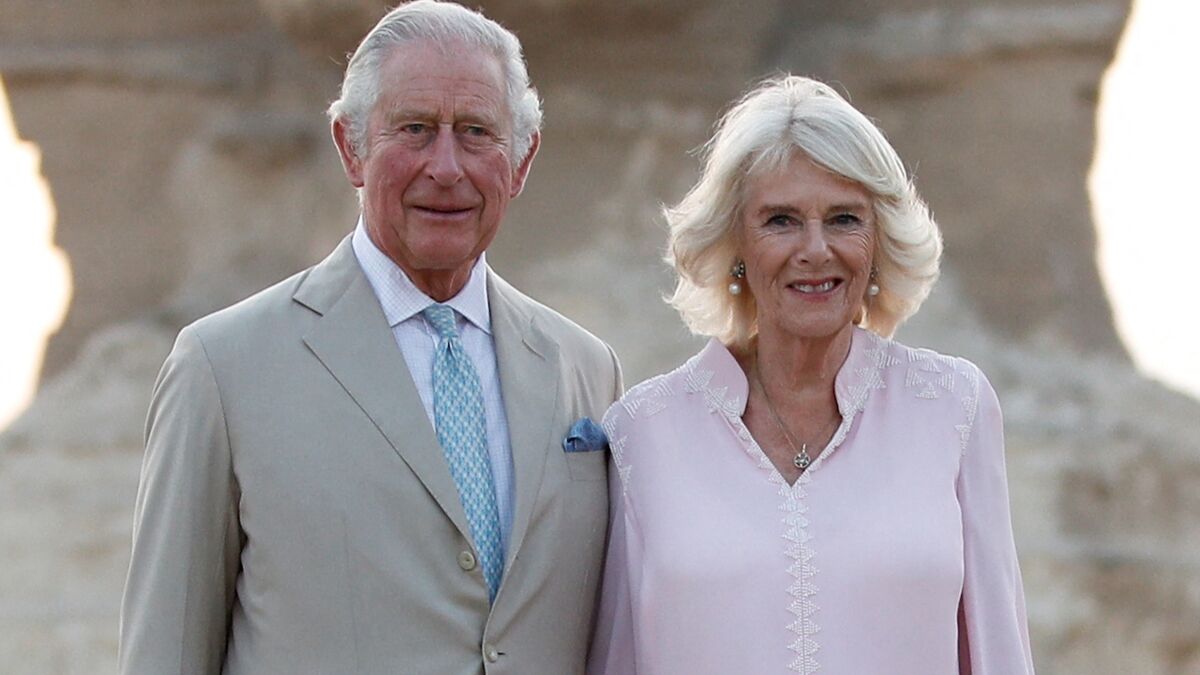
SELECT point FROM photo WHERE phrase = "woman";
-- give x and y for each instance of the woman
(805, 494)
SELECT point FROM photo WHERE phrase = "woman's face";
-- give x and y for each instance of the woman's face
(807, 237)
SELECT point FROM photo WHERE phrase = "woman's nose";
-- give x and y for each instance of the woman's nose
(814, 245)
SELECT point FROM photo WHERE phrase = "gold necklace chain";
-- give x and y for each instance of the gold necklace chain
(801, 460)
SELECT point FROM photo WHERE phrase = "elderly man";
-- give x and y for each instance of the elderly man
(380, 465)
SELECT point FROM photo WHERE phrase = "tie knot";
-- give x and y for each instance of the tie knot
(441, 317)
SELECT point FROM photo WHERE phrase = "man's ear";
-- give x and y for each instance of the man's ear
(352, 164)
(522, 170)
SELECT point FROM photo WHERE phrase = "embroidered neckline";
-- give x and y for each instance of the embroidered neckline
(716, 376)
(858, 377)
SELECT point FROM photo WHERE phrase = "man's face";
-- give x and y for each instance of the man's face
(436, 171)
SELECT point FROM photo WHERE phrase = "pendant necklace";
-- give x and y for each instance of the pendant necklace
(801, 459)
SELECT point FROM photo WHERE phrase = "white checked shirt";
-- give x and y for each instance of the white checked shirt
(402, 303)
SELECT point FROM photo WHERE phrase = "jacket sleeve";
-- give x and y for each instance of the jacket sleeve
(179, 593)
(618, 377)
(993, 637)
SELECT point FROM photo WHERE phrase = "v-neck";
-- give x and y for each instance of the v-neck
(717, 372)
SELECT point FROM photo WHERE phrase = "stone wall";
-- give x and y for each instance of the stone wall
(189, 159)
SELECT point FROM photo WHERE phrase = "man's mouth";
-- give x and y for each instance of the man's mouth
(444, 211)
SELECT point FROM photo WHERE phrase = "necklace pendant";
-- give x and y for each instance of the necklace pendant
(801, 461)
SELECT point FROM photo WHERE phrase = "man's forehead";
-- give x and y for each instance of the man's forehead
(425, 74)
(426, 60)
(441, 101)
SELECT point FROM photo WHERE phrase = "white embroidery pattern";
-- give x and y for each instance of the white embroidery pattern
(927, 373)
(970, 402)
(648, 398)
(798, 547)
(643, 400)
(803, 587)
(795, 519)
(717, 399)
(616, 445)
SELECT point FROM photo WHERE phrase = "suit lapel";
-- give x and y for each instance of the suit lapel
(529, 367)
(355, 344)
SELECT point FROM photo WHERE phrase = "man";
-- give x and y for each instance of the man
(362, 469)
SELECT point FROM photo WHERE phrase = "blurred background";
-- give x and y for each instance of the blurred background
(160, 160)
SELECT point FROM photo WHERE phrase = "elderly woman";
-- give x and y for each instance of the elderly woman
(806, 494)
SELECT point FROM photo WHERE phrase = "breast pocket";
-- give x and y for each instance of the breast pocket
(591, 465)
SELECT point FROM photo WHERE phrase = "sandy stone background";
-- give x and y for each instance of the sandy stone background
(188, 158)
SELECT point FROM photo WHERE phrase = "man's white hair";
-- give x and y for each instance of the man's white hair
(439, 23)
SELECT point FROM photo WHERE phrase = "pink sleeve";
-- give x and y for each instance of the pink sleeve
(993, 637)
(613, 650)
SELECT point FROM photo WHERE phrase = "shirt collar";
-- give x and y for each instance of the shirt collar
(399, 296)
(857, 378)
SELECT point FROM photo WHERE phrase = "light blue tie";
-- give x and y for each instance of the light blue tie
(458, 416)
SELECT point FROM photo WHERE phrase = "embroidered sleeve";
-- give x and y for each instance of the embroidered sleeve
(969, 400)
(613, 647)
(993, 637)
(615, 424)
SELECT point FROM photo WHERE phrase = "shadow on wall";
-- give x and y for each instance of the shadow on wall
(35, 277)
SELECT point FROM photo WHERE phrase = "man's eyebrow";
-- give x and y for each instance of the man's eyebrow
(394, 115)
(403, 114)
(469, 115)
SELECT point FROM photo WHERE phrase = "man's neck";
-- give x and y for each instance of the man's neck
(441, 285)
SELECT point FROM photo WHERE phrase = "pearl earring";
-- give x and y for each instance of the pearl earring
(873, 288)
(738, 272)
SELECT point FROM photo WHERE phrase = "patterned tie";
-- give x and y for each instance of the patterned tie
(458, 416)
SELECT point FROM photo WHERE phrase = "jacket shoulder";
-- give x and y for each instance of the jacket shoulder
(576, 344)
(254, 323)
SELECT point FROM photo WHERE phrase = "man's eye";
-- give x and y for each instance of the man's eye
(475, 130)
(414, 128)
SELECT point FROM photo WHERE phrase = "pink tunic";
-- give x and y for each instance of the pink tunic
(893, 553)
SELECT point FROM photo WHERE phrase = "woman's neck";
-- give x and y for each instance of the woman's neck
(787, 363)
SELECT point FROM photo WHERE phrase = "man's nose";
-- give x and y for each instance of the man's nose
(444, 166)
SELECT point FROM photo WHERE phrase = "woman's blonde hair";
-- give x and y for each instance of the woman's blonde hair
(779, 118)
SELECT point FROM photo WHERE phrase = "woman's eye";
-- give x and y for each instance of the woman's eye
(779, 220)
(847, 220)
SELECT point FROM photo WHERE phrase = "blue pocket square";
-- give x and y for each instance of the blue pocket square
(585, 436)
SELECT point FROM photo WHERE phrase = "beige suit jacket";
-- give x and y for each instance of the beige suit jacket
(296, 513)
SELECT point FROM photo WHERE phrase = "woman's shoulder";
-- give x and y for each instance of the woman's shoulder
(650, 397)
(662, 407)
(923, 372)
(947, 386)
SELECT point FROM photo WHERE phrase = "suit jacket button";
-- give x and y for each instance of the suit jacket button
(490, 653)
(466, 560)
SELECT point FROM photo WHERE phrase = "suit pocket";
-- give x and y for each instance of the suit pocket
(587, 465)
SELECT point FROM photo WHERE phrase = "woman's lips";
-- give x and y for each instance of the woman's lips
(815, 287)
